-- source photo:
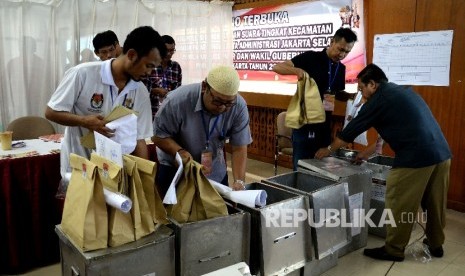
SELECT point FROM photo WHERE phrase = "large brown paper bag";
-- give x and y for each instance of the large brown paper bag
(147, 171)
(120, 225)
(209, 202)
(197, 199)
(85, 218)
(185, 193)
(140, 211)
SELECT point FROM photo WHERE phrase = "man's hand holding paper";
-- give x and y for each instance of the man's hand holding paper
(125, 132)
(97, 123)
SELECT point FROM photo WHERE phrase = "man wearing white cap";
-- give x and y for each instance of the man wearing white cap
(196, 120)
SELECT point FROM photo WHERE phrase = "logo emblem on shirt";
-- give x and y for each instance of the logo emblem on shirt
(128, 102)
(97, 100)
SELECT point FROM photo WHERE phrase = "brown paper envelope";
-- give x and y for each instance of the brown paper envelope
(147, 172)
(84, 217)
(197, 199)
(211, 201)
(185, 193)
(88, 140)
(111, 173)
(141, 215)
(120, 225)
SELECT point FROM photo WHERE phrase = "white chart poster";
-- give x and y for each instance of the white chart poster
(420, 58)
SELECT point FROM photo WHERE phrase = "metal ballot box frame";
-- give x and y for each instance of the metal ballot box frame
(358, 181)
(150, 255)
(318, 267)
(380, 165)
(208, 245)
(279, 243)
(325, 196)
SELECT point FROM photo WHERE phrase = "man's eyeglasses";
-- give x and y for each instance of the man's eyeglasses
(171, 50)
(218, 102)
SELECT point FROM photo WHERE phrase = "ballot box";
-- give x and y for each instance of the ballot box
(317, 267)
(357, 183)
(280, 242)
(208, 245)
(380, 165)
(328, 202)
(151, 255)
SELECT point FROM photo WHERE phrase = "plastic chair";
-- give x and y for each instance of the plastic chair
(30, 127)
(282, 139)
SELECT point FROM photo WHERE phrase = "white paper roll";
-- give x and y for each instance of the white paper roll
(249, 198)
(117, 200)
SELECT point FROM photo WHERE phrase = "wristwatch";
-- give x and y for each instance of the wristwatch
(241, 182)
(330, 148)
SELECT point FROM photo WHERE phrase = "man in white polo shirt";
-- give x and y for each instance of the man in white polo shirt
(89, 91)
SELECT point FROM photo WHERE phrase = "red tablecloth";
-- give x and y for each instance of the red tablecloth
(29, 212)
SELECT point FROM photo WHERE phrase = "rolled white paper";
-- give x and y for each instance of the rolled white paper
(249, 198)
(117, 200)
(220, 188)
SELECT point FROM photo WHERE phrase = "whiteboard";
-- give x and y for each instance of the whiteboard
(420, 58)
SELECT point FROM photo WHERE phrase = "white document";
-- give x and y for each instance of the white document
(419, 58)
(125, 132)
(249, 198)
(117, 200)
(378, 192)
(108, 149)
(170, 197)
(352, 109)
(355, 205)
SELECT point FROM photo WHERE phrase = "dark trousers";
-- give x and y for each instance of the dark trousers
(308, 139)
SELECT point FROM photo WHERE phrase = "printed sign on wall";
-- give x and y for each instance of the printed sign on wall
(265, 36)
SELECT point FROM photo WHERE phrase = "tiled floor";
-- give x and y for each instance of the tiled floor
(452, 264)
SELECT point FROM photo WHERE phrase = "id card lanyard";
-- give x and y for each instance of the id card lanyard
(328, 97)
(113, 101)
(207, 155)
(208, 133)
(331, 80)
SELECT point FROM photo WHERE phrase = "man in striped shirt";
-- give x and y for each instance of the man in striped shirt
(164, 78)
